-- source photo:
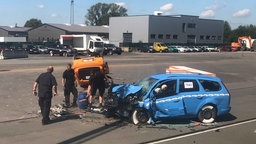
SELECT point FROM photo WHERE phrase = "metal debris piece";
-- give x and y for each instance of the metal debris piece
(58, 110)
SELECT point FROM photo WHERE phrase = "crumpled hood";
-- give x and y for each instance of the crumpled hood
(124, 90)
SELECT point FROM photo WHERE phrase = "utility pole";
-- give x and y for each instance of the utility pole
(72, 12)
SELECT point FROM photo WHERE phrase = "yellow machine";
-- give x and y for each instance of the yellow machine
(160, 47)
(84, 67)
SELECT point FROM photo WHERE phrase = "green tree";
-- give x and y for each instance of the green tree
(247, 30)
(227, 32)
(100, 13)
(33, 23)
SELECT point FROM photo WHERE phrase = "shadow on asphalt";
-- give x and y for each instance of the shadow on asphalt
(85, 137)
(94, 133)
(226, 118)
(64, 118)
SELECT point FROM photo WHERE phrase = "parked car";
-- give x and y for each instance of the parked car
(180, 94)
(181, 49)
(234, 49)
(42, 49)
(32, 49)
(197, 49)
(210, 48)
(62, 50)
(188, 49)
(145, 48)
(112, 49)
(172, 49)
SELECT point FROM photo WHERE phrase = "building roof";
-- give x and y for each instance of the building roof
(81, 28)
(15, 28)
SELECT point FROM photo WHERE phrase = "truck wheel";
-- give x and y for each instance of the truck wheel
(207, 114)
(140, 116)
(243, 48)
(51, 53)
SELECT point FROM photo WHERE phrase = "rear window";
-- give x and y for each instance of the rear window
(210, 85)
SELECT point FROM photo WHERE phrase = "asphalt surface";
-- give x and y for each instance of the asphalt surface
(20, 122)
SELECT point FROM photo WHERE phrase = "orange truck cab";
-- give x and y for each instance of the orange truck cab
(84, 67)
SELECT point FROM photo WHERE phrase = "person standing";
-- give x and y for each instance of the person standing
(96, 82)
(47, 87)
(69, 84)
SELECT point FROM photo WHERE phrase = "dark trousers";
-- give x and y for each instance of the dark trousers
(67, 92)
(45, 106)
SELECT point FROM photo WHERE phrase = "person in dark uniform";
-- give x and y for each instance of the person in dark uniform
(47, 87)
(69, 84)
(96, 82)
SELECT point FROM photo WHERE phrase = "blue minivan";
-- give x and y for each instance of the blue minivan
(170, 95)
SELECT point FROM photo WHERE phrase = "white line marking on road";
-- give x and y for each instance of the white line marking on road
(201, 132)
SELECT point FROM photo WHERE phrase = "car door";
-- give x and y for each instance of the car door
(168, 104)
(189, 90)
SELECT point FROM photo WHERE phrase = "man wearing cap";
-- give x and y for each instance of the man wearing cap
(47, 87)
(69, 84)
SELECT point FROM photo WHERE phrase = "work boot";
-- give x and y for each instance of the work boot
(74, 104)
(89, 107)
(46, 121)
(67, 105)
(101, 107)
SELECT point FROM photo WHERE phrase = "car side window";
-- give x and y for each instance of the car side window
(166, 89)
(210, 85)
(188, 85)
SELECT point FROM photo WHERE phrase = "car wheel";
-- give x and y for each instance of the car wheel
(110, 52)
(51, 53)
(207, 114)
(65, 54)
(140, 116)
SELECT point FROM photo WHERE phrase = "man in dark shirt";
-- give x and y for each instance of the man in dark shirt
(69, 84)
(96, 82)
(47, 87)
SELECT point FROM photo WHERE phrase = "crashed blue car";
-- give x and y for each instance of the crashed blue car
(170, 95)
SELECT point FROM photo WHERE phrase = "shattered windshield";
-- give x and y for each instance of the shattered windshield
(146, 84)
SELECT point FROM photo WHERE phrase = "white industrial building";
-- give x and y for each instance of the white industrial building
(175, 29)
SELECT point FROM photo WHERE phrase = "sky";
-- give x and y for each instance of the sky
(236, 12)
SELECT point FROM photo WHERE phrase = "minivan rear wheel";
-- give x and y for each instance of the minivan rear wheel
(207, 114)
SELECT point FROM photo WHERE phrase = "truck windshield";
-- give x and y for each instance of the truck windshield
(146, 84)
(98, 44)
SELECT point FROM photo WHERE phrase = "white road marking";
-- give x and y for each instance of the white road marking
(205, 131)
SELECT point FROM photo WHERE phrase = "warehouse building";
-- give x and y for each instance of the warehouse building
(174, 29)
(52, 32)
(13, 31)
